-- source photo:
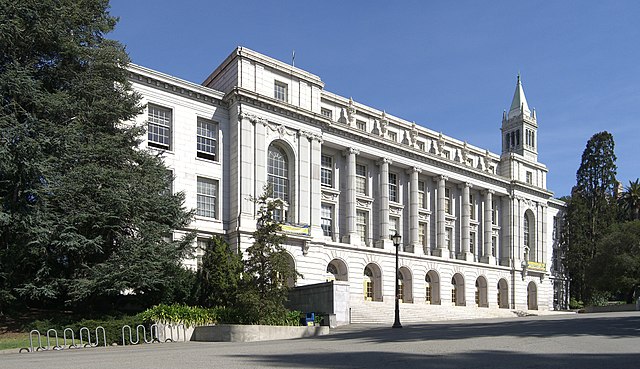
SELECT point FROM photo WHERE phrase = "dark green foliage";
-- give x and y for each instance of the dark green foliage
(617, 266)
(629, 201)
(83, 212)
(112, 329)
(590, 211)
(188, 315)
(268, 270)
(219, 274)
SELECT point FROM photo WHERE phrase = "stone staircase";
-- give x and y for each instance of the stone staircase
(371, 312)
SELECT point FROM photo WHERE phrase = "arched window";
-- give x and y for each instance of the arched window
(428, 288)
(368, 284)
(400, 287)
(278, 173)
(528, 235)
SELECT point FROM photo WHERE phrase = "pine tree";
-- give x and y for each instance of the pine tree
(84, 213)
(591, 210)
(267, 271)
(219, 275)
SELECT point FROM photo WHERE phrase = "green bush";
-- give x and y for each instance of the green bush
(599, 299)
(188, 315)
(575, 304)
(112, 329)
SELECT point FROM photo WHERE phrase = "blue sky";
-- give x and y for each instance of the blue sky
(450, 66)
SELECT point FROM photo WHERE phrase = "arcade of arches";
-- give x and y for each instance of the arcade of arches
(372, 287)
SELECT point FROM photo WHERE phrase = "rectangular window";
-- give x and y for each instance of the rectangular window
(393, 136)
(207, 137)
(393, 187)
(207, 197)
(446, 154)
(159, 127)
(472, 207)
(422, 231)
(170, 182)
(494, 212)
(326, 220)
(472, 242)
(529, 177)
(326, 171)
(448, 237)
(326, 112)
(201, 247)
(421, 198)
(361, 179)
(361, 125)
(420, 145)
(494, 242)
(447, 200)
(280, 91)
(393, 225)
(361, 225)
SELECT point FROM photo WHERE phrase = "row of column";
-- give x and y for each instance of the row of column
(442, 249)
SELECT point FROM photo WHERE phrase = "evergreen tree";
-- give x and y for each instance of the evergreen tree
(591, 210)
(219, 274)
(267, 271)
(84, 213)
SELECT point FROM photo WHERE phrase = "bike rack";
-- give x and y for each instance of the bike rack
(104, 337)
(82, 344)
(57, 346)
(31, 341)
(73, 338)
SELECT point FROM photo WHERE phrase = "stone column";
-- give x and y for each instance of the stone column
(487, 256)
(384, 202)
(543, 239)
(316, 192)
(352, 235)
(414, 224)
(466, 219)
(506, 230)
(304, 192)
(442, 249)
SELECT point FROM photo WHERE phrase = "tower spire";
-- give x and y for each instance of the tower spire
(519, 103)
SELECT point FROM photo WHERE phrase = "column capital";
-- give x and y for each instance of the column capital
(488, 192)
(465, 185)
(414, 170)
(384, 161)
(351, 150)
(442, 177)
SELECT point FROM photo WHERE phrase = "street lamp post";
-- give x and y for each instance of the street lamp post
(396, 242)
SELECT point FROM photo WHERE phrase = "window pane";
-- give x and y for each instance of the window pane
(206, 199)
(206, 139)
(326, 220)
(326, 172)
(393, 187)
(278, 173)
(159, 127)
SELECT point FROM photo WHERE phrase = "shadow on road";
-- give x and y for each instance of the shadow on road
(604, 326)
(477, 359)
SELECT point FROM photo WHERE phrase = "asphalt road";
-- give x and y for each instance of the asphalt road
(610, 340)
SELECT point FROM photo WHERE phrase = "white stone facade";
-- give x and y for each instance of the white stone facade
(351, 175)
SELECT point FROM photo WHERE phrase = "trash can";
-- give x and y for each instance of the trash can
(310, 319)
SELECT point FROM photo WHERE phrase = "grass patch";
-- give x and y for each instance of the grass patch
(14, 341)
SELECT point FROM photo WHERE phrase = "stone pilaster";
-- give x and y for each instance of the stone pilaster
(383, 205)
(352, 235)
(487, 256)
(304, 165)
(465, 226)
(316, 192)
(413, 211)
(441, 247)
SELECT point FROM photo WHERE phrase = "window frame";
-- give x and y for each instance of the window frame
(202, 196)
(361, 180)
(154, 120)
(204, 154)
(324, 170)
(362, 223)
(280, 91)
(324, 210)
(393, 188)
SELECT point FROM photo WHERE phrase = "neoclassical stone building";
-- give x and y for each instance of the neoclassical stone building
(478, 228)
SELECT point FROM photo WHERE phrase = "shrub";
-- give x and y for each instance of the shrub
(575, 304)
(188, 315)
(112, 329)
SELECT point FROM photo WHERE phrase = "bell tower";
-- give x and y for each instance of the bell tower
(520, 127)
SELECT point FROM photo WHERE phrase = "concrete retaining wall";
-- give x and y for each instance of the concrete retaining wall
(250, 333)
(330, 298)
(611, 308)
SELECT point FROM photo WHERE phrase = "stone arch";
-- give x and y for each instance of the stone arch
(281, 177)
(503, 294)
(457, 290)
(532, 296)
(405, 285)
(337, 270)
(292, 279)
(529, 235)
(432, 289)
(372, 286)
(481, 292)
